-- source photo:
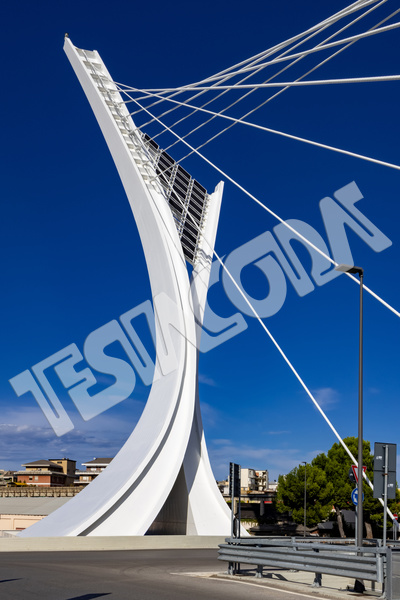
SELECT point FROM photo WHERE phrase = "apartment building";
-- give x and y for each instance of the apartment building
(93, 469)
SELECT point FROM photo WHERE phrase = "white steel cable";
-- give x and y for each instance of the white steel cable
(257, 86)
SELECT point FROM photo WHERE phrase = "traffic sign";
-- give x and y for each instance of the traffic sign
(355, 471)
(354, 496)
(234, 480)
(380, 480)
(352, 476)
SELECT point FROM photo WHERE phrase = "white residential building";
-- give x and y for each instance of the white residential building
(253, 481)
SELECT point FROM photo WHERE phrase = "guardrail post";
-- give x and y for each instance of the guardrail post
(387, 591)
(259, 572)
(380, 568)
(317, 580)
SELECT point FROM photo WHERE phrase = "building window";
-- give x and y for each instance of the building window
(36, 478)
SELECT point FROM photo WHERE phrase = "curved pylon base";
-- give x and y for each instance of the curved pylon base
(161, 480)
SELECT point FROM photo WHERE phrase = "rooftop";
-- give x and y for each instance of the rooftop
(97, 462)
(31, 506)
(42, 463)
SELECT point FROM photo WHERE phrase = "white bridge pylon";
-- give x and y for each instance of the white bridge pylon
(161, 480)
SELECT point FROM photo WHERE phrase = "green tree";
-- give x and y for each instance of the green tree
(328, 485)
(290, 494)
(337, 465)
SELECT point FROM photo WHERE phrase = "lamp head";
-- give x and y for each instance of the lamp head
(350, 269)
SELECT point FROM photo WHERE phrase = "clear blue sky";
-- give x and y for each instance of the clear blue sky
(71, 258)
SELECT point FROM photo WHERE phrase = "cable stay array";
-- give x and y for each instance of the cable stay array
(234, 121)
(158, 97)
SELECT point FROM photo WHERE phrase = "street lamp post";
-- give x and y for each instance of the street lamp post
(360, 517)
(305, 497)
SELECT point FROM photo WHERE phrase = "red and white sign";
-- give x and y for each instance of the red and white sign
(355, 471)
(395, 517)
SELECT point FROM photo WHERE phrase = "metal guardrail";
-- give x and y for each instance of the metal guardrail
(320, 558)
(371, 562)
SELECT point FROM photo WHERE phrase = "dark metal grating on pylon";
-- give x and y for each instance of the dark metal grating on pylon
(187, 198)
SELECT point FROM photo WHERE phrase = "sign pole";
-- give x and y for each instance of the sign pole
(356, 524)
(239, 512)
(232, 485)
(385, 493)
(360, 531)
(385, 480)
(234, 489)
(232, 508)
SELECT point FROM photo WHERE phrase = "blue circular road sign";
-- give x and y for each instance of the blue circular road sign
(354, 496)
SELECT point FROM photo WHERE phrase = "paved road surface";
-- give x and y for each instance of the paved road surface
(124, 575)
